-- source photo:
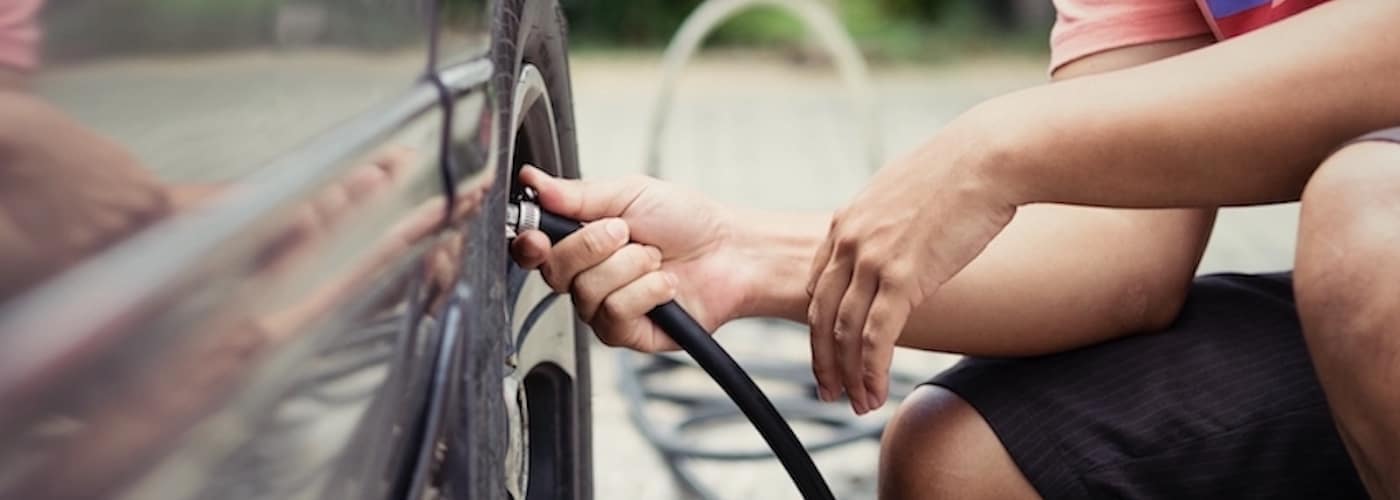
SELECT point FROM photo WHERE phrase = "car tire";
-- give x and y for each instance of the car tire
(552, 410)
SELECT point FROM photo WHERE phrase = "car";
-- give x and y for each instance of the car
(257, 249)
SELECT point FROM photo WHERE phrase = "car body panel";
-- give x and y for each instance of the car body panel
(284, 334)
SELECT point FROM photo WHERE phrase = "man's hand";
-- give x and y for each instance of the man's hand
(646, 242)
(919, 222)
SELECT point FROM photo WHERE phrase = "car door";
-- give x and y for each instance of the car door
(232, 267)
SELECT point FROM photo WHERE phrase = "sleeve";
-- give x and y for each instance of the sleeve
(19, 34)
(1086, 27)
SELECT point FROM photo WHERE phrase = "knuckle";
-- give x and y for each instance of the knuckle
(658, 287)
(871, 340)
(612, 308)
(587, 302)
(891, 277)
(644, 257)
(644, 338)
(870, 265)
(841, 335)
(847, 243)
(845, 324)
(654, 255)
(552, 278)
(609, 340)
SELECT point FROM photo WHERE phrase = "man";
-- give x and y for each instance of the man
(1052, 235)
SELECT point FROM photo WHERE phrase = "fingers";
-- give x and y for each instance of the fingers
(583, 200)
(850, 343)
(530, 249)
(621, 319)
(593, 286)
(819, 263)
(821, 314)
(888, 314)
(584, 249)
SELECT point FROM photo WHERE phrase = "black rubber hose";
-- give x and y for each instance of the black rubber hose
(736, 383)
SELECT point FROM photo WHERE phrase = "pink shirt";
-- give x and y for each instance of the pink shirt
(19, 34)
(1086, 27)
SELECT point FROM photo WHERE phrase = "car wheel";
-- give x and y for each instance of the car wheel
(545, 379)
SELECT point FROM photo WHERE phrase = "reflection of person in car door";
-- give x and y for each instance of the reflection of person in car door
(64, 190)
(67, 192)
(1043, 231)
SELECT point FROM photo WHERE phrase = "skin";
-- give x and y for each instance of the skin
(1348, 294)
(937, 445)
(1249, 121)
(49, 220)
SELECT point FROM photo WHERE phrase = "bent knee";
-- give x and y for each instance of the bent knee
(1348, 235)
(938, 446)
(1360, 178)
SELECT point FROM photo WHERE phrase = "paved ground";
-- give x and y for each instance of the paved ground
(767, 134)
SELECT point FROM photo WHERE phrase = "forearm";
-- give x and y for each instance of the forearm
(1241, 122)
(1047, 283)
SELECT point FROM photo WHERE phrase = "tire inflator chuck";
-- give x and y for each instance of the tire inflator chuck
(675, 321)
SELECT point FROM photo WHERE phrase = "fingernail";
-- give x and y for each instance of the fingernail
(873, 401)
(671, 279)
(617, 229)
(824, 394)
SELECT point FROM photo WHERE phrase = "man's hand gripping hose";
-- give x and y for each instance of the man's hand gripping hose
(525, 216)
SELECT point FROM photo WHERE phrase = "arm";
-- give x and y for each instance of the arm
(1242, 122)
(1065, 288)
(1044, 285)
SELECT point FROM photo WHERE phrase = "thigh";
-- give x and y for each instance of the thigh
(1222, 404)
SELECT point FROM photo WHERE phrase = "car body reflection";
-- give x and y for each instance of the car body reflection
(229, 265)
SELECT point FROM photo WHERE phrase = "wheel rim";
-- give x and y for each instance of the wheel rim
(540, 370)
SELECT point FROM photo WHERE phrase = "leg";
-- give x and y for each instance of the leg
(937, 446)
(1222, 404)
(1348, 287)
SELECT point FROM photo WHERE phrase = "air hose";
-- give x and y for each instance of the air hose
(693, 338)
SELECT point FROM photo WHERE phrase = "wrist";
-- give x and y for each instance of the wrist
(1003, 142)
(774, 255)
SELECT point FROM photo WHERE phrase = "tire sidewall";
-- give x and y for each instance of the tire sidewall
(536, 32)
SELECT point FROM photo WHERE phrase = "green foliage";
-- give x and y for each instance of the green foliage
(625, 22)
(929, 30)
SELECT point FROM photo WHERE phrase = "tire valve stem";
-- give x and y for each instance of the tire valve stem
(521, 216)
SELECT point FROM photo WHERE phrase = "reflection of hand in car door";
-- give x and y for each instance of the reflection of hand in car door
(65, 191)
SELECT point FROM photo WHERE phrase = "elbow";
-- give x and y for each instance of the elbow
(1153, 303)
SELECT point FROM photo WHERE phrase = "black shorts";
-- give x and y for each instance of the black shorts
(1222, 404)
